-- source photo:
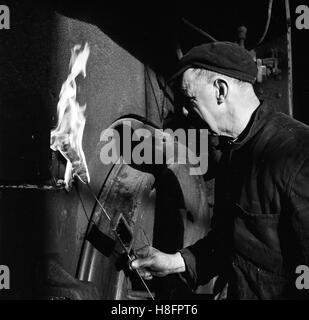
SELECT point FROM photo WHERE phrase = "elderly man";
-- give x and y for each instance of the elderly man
(260, 226)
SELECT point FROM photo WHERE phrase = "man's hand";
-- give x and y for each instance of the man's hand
(152, 262)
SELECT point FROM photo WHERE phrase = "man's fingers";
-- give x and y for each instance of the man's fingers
(148, 277)
(158, 273)
(143, 252)
(141, 263)
(145, 274)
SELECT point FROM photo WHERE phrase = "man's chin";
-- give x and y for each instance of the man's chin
(211, 132)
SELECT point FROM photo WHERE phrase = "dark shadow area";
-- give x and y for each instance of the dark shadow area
(168, 234)
(100, 241)
(24, 98)
(168, 227)
(300, 54)
(23, 218)
(147, 33)
(152, 32)
(24, 142)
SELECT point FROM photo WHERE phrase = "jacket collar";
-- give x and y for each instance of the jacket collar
(258, 120)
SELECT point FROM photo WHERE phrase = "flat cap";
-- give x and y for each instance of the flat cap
(223, 57)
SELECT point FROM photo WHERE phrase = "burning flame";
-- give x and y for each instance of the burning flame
(67, 136)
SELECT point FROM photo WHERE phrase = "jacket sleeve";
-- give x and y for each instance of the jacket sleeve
(299, 200)
(299, 218)
(203, 260)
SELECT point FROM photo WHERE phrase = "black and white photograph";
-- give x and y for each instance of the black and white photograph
(154, 155)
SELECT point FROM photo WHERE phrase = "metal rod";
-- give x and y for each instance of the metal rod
(270, 4)
(289, 47)
(98, 202)
(128, 255)
(204, 33)
(120, 241)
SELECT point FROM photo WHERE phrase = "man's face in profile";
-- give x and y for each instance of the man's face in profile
(199, 103)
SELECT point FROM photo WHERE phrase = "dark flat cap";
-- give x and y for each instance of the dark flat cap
(223, 57)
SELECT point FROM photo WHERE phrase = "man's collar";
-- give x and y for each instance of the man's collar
(257, 121)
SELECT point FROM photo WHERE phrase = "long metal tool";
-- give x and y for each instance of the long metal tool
(120, 241)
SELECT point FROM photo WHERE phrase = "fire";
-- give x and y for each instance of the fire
(68, 134)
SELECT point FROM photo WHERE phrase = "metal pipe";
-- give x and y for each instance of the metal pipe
(202, 32)
(270, 4)
(289, 48)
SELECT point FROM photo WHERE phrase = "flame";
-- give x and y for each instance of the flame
(68, 134)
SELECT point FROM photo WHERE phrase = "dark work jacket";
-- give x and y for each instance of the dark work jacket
(260, 226)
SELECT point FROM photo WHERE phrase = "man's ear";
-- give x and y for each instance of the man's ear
(221, 90)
